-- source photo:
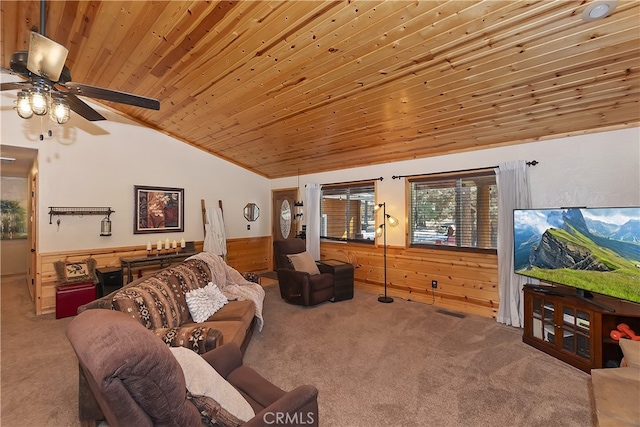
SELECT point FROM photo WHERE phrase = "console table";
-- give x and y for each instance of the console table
(342, 277)
(162, 261)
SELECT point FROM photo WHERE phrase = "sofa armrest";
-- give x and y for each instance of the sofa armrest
(197, 338)
(224, 359)
(297, 407)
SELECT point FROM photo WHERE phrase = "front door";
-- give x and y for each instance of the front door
(283, 224)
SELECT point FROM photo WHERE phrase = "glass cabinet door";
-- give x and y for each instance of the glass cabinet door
(575, 331)
(543, 320)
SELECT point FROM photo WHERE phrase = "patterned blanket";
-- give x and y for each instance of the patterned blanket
(232, 284)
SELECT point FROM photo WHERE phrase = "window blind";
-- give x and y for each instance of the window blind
(455, 210)
(347, 212)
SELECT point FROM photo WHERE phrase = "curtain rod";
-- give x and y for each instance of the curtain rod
(531, 163)
(353, 182)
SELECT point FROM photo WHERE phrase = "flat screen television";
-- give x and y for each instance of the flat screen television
(590, 249)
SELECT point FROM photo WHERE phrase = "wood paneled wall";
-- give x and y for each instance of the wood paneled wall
(467, 281)
(250, 254)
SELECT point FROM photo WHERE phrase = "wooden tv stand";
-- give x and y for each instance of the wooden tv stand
(574, 330)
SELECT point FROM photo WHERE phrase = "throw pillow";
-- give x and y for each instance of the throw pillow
(304, 262)
(204, 381)
(204, 302)
(631, 351)
(76, 272)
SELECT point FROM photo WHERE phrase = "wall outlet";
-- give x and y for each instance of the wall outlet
(434, 284)
(248, 226)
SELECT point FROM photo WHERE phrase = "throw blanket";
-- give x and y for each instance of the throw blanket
(232, 284)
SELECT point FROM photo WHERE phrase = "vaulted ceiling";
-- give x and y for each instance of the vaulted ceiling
(280, 87)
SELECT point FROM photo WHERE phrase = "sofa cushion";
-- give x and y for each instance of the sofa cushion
(204, 302)
(152, 303)
(194, 337)
(227, 406)
(304, 262)
(243, 311)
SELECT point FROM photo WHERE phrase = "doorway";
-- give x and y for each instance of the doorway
(19, 208)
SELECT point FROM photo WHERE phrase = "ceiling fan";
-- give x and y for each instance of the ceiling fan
(48, 87)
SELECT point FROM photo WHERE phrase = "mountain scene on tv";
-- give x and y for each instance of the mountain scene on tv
(596, 250)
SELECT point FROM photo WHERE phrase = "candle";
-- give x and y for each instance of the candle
(159, 245)
(166, 243)
(148, 246)
(182, 243)
(174, 244)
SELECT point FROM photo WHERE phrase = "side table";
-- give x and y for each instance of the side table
(342, 277)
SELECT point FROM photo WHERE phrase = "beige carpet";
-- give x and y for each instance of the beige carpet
(38, 369)
(403, 364)
(407, 364)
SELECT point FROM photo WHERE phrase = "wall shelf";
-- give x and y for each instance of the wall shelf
(79, 211)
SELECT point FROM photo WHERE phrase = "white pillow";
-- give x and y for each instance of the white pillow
(203, 380)
(204, 302)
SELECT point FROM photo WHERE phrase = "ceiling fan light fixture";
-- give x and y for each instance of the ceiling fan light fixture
(38, 100)
(60, 112)
(23, 105)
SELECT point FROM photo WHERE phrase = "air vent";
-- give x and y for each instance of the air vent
(451, 313)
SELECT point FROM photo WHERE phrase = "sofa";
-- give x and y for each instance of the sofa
(139, 381)
(616, 391)
(159, 303)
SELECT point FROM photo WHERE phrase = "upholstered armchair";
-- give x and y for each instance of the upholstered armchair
(139, 381)
(301, 280)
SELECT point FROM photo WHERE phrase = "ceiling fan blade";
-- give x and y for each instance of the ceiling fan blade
(46, 57)
(113, 95)
(15, 85)
(83, 109)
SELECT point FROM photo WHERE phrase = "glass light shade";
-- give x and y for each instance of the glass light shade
(59, 111)
(393, 221)
(23, 105)
(379, 230)
(105, 227)
(39, 102)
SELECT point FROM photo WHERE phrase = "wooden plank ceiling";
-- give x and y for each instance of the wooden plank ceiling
(281, 87)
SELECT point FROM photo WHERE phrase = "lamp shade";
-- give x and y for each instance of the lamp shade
(105, 227)
(38, 102)
(23, 105)
(59, 111)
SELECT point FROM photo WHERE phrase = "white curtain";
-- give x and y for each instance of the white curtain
(313, 219)
(513, 193)
(215, 239)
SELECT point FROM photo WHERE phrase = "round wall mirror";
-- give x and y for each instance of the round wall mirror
(285, 219)
(251, 212)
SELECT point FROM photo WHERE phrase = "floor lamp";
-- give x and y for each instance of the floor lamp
(382, 229)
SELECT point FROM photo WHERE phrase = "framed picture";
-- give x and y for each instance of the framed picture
(158, 209)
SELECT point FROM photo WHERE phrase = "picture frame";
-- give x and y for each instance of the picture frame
(158, 209)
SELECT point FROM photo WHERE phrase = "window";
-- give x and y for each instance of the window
(455, 210)
(347, 212)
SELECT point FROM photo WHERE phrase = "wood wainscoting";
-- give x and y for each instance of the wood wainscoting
(467, 281)
(243, 254)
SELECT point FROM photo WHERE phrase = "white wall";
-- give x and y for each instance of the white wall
(599, 169)
(97, 164)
